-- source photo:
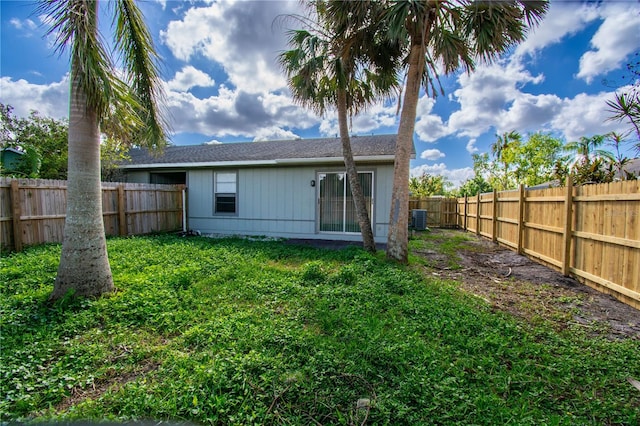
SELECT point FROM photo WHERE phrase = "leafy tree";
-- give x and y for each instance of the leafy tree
(516, 162)
(442, 37)
(43, 139)
(7, 125)
(325, 69)
(534, 159)
(503, 150)
(96, 92)
(112, 153)
(427, 185)
(476, 185)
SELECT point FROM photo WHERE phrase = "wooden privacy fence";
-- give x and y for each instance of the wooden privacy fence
(590, 232)
(441, 211)
(32, 211)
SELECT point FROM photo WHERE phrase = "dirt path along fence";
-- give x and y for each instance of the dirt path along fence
(590, 232)
(32, 211)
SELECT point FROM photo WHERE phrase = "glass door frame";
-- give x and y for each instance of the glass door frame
(319, 207)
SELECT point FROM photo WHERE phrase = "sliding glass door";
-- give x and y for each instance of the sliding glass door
(337, 210)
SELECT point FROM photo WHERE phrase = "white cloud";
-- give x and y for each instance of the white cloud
(432, 154)
(471, 146)
(162, 3)
(190, 77)
(26, 24)
(585, 115)
(429, 127)
(50, 100)
(615, 39)
(229, 33)
(235, 113)
(563, 18)
(378, 115)
(213, 142)
(486, 94)
(492, 100)
(274, 133)
(528, 112)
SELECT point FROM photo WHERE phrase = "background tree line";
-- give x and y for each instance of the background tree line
(44, 143)
(513, 160)
(540, 158)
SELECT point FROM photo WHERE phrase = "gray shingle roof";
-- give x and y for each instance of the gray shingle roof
(375, 145)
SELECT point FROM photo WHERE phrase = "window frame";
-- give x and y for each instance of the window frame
(371, 206)
(217, 193)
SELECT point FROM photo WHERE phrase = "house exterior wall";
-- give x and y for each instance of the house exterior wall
(275, 201)
(278, 202)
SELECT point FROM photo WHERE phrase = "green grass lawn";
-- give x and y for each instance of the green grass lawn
(255, 332)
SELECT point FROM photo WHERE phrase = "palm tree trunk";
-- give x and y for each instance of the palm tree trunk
(398, 238)
(364, 221)
(84, 265)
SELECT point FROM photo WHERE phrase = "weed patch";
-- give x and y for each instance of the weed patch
(232, 331)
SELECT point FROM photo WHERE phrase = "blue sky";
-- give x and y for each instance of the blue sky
(223, 84)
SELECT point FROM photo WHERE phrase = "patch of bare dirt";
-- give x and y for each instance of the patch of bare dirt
(113, 380)
(515, 284)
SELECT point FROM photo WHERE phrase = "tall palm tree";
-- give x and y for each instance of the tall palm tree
(96, 93)
(500, 148)
(443, 36)
(586, 150)
(324, 68)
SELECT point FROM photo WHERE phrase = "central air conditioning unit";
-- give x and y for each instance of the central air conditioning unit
(419, 220)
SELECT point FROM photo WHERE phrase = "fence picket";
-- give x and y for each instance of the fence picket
(33, 210)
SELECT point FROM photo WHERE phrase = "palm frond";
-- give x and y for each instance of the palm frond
(74, 25)
(135, 45)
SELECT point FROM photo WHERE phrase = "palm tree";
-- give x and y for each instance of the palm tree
(586, 150)
(626, 106)
(500, 148)
(615, 141)
(96, 93)
(443, 36)
(325, 69)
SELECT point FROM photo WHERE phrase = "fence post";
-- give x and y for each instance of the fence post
(184, 209)
(568, 219)
(520, 218)
(16, 212)
(122, 212)
(494, 219)
(478, 214)
(466, 208)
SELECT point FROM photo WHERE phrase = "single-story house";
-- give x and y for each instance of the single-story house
(288, 188)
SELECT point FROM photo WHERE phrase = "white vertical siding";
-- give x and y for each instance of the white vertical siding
(382, 203)
(277, 202)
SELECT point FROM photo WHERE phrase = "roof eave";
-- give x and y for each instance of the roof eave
(283, 161)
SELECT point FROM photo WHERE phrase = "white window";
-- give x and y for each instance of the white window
(225, 193)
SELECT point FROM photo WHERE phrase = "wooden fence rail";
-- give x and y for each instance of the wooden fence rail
(590, 232)
(441, 211)
(32, 211)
